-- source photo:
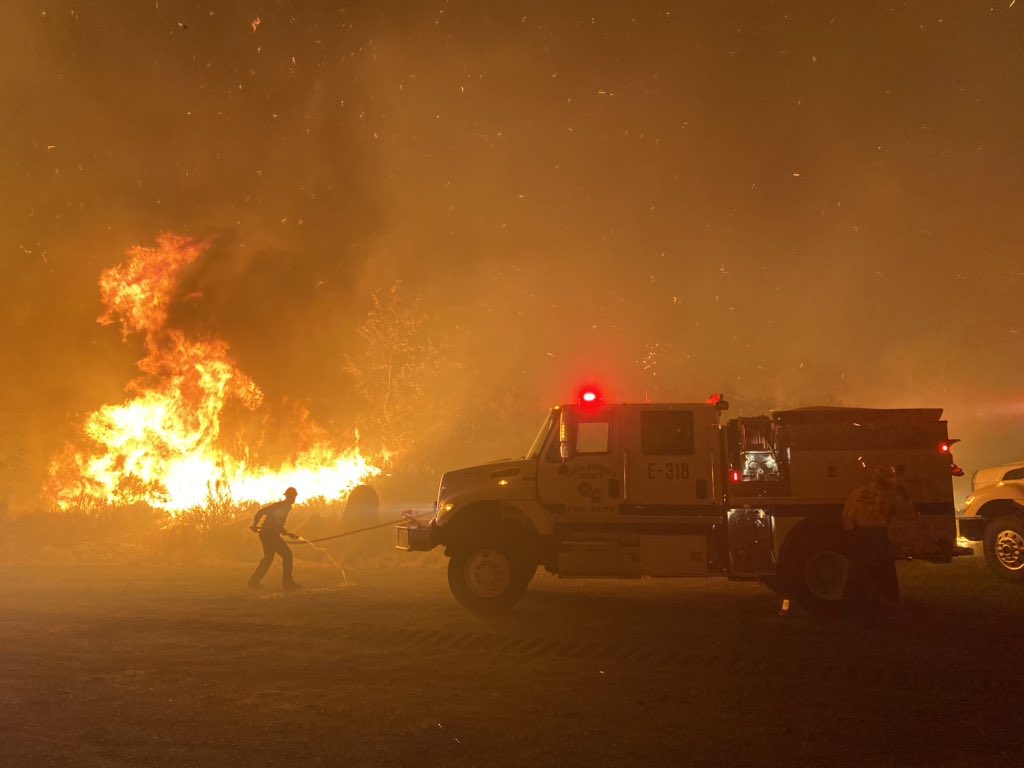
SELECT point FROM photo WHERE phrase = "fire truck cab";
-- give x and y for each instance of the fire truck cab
(648, 489)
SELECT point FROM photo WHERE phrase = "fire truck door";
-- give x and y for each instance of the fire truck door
(588, 483)
(668, 461)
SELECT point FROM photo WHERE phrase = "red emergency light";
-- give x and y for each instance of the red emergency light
(589, 396)
(946, 449)
(718, 402)
(734, 475)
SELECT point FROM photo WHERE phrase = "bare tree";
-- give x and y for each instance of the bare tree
(394, 361)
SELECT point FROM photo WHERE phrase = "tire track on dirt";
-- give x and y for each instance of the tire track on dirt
(750, 663)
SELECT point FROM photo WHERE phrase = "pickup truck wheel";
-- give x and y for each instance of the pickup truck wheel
(489, 575)
(1004, 547)
(816, 572)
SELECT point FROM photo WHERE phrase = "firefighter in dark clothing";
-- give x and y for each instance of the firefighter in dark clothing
(274, 517)
(867, 514)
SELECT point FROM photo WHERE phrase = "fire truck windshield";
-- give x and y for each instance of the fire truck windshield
(542, 435)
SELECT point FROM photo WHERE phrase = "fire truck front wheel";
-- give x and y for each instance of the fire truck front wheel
(1004, 547)
(816, 571)
(489, 574)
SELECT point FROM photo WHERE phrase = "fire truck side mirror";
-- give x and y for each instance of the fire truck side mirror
(566, 432)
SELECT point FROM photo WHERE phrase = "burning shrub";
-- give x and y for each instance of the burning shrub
(164, 444)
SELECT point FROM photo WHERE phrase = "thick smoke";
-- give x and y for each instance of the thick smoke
(790, 203)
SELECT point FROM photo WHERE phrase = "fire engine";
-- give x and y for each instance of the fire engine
(644, 489)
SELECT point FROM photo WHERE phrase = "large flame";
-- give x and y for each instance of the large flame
(162, 445)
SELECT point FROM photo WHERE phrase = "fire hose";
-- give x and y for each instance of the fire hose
(407, 516)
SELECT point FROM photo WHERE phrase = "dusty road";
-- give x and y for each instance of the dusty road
(182, 666)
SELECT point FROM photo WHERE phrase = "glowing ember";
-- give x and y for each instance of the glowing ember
(161, 446)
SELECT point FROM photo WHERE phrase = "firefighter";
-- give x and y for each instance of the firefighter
(271, 532)
(867, 514)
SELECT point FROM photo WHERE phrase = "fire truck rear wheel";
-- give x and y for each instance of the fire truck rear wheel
(816, 570)
(1004, 547)
(490, 574)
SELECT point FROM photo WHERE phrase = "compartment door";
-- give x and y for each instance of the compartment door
(669, 463)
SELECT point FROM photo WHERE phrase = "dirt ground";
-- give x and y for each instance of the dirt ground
(180, 665)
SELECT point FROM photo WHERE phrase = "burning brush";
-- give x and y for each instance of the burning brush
(161, 445)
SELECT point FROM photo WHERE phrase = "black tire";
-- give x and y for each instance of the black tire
(815, 571)
(490, 573)
(1004, 547)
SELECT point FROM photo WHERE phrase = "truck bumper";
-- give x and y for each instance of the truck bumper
(412, 538)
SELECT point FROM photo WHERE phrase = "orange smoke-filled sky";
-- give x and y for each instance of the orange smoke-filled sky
(790, 202)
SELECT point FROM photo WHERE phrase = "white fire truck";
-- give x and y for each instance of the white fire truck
(645, 489)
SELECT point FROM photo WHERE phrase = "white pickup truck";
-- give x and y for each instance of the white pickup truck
(995, 515)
